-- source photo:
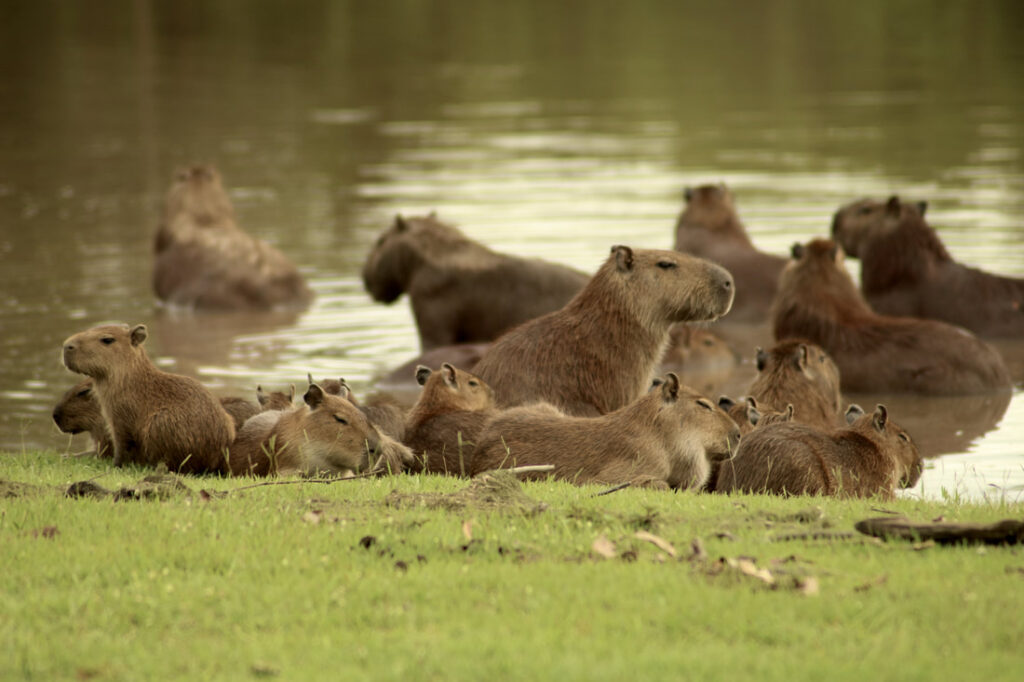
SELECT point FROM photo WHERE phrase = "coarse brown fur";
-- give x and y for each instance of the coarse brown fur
(154, 416)
(383, 411)
(239, 409)
(692, 350)
(277, 400)
(442, 427)
(666, 437)
(463, 356)
(870, 456)
(802, 374)
(710, 227)
(78, 411)
(748, 417)
(205, 261)
(460, 290)
(599, 352)
(818, 301)
(906, 270)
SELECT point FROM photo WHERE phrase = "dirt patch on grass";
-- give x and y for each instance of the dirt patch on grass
(490, 490)
(18, 489)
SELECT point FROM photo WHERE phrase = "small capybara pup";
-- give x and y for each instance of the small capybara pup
(799, 373)
(205, 261)
(326, 435)
(387, 414)
(78, 411)
(818, 301)
(239, 409)
(710, 227)
(870, 456)
(905, 269)
(599, 352)
(667, 437)
(460, 290)
(463, 356)
(154, 416)
(442, 427)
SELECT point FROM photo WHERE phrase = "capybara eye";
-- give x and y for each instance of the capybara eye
(709, 342)
(84, 392)
(474, 383)
(667, 265)
(705, 404)
(341, 420)
(904, 437)
(107, 340)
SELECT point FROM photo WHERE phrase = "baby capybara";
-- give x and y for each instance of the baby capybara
(802, 374)
(77, 411)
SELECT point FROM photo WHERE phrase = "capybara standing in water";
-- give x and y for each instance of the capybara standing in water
(710, 227)
(599, 352)
(205, 261)
(870, 456)
(905, 269)
(818, 301)
(460, 290)
(153, 416)
(78, 411)
(666, 437)
(798, 373)
(442, 427)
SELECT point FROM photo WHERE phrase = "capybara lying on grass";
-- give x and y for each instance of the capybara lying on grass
(798, 373)
(382, 411)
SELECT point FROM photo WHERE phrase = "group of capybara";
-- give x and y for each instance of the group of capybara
(528, 362)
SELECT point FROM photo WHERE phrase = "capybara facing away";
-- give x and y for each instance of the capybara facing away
(666, 437)
(78, 411)
(153, 416)
(818, 301)
(460, 290)
(870, 456)
(599, 352)
(906, 270)
(205, 261)
(798, 373)
(710, 227)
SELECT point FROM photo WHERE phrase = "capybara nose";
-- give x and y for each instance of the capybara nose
(372, 445)
(835, 224)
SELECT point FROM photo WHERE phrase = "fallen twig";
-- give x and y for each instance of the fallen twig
(613, 489)
(368, 474)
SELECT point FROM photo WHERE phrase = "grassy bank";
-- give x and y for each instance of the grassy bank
(399, 579)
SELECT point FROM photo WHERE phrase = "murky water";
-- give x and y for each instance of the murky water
(547, 129)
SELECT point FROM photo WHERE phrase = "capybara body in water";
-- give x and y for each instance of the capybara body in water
(78, 411)
(599, 352)
(802, 374)
(906, 270)
(710, 227)
(666, 437)
(460, 290)
(326, 435)
(870, 456)
(153, 416)
(205, 261)
(818, 301)
(442, 427)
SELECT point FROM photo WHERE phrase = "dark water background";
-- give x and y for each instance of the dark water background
(541, 128)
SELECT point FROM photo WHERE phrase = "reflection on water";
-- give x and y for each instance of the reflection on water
(540, 129)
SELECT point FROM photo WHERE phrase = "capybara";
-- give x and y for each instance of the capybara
(747, 417)
(710, 227)
(239, 409)
(870, 456)
(276, 400)
(153, 416)
(693, 350)
(666, 437)
(599, 352)
(383, 411)
(205, 261)
(462, 356)
(460, 290)
(905, 269)
(78, 411)
(818, 301)
(326, 435)
(802, 374)
(442, 427)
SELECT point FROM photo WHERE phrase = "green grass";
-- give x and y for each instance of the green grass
(274, 582)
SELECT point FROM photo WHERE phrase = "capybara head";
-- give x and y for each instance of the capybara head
(450, 389)
(333, 435)
(78, 410)
(198, 193)
(705, 424)
(693, 349)
(744, 413)
(102, 351)
(864, 219)
(797, 363)
(816, 276)
(890, 438)
(708, 207)
(275, 400)
(401, 248)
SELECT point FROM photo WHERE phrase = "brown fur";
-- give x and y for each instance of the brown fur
(240, 410)
(154, 416)
(871, 456)
(383, 411)
(818, 301)
(599, 352)
(277, 400)
(78, 411)
(802, 374)
(906, 270)
(666, 437)
(461, 291)
(692, 350)
(710, 227)
(205, 261)
(747, 416)
(463, 356)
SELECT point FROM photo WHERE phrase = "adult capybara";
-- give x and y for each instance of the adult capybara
(802, 374)
(818, 301)
(326, 435)
(598, 353)
(666, 437)
(78, 411)
(906, 270)
(276, 400)
(710, 227)
(153, 416)
(460, 290)
(442, 427)
(205, 261)
(870, 456)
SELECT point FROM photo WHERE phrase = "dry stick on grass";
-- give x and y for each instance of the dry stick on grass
(613, 489)
(368, 474)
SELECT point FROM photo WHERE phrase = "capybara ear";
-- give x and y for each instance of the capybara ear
(750, 401)
(789, 412)
(687, 194)
(655, 382)
(670, 389)
(726, 403)
(892, 207)
(400, 224)
(314, 396)
(449, 375)
(762, 358)
(422, 374)
(139, 334)
(922, 206)
(836, 253)
(623, 258)
(309, 378)
(797, 251)
(343, 390)
(800, 357)
(291, 392)
(753, 415)
(880, 417)
(853, 413)
(261, 397)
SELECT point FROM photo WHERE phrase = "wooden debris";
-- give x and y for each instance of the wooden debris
(1005, 532)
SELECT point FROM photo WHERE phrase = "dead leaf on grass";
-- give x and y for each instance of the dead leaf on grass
(313, 516)
(604, 547)
(660, 543)
(927, 544)
(467, 529)
(697, 552)
(748, 567)
(264, 670)
(48, 532)
(725, 535)
(808, 586)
